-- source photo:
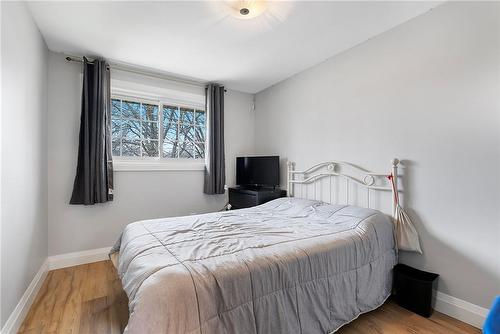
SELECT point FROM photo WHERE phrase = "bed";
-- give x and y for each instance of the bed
(292, 265)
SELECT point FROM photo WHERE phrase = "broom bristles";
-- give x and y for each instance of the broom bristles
(406, 234)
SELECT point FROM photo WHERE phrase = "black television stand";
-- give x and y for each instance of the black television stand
(248, 196)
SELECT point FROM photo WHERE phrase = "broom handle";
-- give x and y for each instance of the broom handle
(395, 203)
(394, 182)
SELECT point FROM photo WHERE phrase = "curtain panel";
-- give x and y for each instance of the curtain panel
(94, 173)
(215, 171)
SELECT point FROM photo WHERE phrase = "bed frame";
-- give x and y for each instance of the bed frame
(327, 178)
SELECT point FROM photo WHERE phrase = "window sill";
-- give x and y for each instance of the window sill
(140, 166)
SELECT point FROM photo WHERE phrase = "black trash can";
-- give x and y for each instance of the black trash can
(413, 289)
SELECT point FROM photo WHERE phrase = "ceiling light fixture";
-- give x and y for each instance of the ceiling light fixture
(246, 9)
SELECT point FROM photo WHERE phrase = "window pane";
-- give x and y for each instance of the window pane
(170, 114)
(199, 150)
(131, 129)
(150, 130)
(116, 147)
(136, 130)
(200, 118)
(115, 108)
(169, 149)
(131, 148)
(186, 132)
(116, 128)
(131, 109)
(187, 115)
(199, 133)
(170, 132)
(149, 112)
(150, 148)
(186, 150)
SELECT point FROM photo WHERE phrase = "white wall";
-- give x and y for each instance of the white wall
(24, 146)
(138, 195)
(427, 92)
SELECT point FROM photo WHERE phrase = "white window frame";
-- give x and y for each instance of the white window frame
(133, 164)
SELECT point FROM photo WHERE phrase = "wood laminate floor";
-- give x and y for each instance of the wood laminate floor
(89, 299)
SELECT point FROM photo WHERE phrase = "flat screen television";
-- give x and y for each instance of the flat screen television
(263, 171)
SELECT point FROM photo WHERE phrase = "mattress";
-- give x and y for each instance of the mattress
(288, 266)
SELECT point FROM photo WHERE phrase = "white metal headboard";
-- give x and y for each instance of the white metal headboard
(317, 174)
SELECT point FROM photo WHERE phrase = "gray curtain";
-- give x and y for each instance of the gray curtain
(94, 172)
(215, 171)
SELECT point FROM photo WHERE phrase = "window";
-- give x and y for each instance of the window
(183, 132)
(145, 130)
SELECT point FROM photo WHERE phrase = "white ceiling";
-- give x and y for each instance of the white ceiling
(201, 40)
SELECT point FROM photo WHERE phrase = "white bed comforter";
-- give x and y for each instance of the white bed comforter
(287, 266)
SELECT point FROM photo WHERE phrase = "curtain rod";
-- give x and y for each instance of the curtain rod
(131, 69)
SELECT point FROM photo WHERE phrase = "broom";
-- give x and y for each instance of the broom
(406, 235)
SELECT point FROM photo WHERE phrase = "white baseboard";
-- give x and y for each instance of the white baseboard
(460, 309)
(21, 310)
(77, 258)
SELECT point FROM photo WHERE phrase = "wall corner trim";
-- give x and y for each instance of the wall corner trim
(77, 258)
(460, 309)
(17, 316)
